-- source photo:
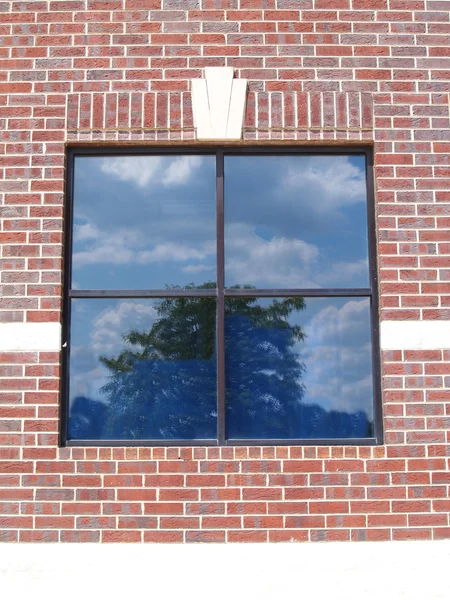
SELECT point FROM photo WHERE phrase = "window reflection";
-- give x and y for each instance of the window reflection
(295, 367)
(143, 369)
(296, 221)
(143, 222)
(298, 368)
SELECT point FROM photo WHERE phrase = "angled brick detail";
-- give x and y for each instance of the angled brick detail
(125, 116)
(336, 116)
(313, 116)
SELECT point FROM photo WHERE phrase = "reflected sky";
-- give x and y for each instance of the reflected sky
(296, 221)
(143, 369)
(143, 222)
(147, 222)
(299, 368)
(295, 368)
(147, 368)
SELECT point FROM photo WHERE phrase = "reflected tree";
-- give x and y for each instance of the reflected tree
(163, 384)
(264, 385)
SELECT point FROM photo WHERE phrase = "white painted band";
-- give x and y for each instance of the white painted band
(30, 336)
(415, 335)
(338, 570)
(394, 335)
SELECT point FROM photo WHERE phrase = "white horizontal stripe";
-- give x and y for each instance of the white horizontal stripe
(338, 570)
(394, 335)
(30, 336)
(415, 335)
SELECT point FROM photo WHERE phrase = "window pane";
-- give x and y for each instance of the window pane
(143, 369)
(296, 221)
(144, 222)
(298, 368)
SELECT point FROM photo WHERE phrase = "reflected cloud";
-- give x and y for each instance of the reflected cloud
(346, 325)
(109, 325)
(144, 170)
(175, 252)
(277, 262)
(295, 367)
(296, 221)
(291, 221)
(134, 211)
(103, 248)
(197, 268)
(283, 262)
(342, 274)
(89, 383)
(105, 336)
(125, 247)
(149, 363)
(85, 231)
(330, 182)
(339, 356)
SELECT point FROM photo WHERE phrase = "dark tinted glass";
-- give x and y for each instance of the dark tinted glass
(143, 369)
(298, 368)
(296, 221)
(143, 222)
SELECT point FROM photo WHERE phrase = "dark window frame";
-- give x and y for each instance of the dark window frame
(221, 292)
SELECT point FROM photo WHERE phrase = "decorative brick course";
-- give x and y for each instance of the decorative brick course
(270, 115)
(319, 71)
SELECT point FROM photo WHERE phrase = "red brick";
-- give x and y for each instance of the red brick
(328, 507)
(79, 536)
(117, 67)
(247, 535)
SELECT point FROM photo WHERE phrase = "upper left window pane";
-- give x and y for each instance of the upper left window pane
(143, 222)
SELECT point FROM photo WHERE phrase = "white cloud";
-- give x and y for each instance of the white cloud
(330, 182)
(88, 383)
(103, 247)
(298, 197)
(340, 274)
(109, 253)
(111, 324)
(106, 338)
(347, 325)
(283, 262)
(173, 252)
(337, 354)
(180, 170)
(300, 205)
(197, 268)
(85, 231)
(278, 262)
(290, 229)
(141, 170)
(124, 246)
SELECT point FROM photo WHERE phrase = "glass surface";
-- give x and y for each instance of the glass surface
(143, 369)
(143, 222)
(296, 221)
(298, 368)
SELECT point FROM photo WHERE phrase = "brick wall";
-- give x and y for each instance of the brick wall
(319, 71)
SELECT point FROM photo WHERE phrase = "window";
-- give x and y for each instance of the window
(220, 296)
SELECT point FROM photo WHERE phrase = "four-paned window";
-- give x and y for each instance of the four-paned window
(220, 296)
